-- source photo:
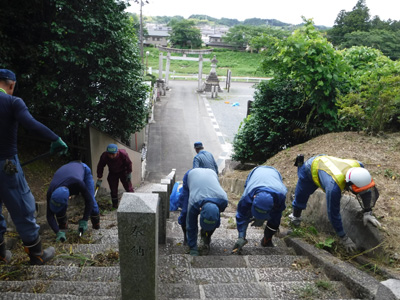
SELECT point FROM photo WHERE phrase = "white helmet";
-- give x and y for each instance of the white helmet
(358, 176)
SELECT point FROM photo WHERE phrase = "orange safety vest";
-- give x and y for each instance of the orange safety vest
(335, 167)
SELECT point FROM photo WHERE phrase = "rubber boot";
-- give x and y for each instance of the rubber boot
(95, 221)
(184, 235)
(114, 202)
(205, 241)
(37, 255)
(266, 241)
(62, 222)
(5, 255)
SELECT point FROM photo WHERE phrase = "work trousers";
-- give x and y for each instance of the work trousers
(306, 186)
(19, 201)
(113, 180)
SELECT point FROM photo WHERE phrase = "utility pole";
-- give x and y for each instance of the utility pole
(141, 31)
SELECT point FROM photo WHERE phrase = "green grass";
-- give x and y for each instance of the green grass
(241, 64)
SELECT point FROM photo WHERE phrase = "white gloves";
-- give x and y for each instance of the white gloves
(368, 217)
(348, 244)
(295, 221)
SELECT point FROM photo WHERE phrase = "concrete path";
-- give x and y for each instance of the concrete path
(183, 117)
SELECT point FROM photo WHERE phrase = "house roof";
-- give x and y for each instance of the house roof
(160, 33)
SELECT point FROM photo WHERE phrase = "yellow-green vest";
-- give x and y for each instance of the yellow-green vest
(336, 167)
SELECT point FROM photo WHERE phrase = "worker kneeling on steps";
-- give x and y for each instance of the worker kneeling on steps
(202, 195)
(71, 179)
(263, 200)
(334, 176)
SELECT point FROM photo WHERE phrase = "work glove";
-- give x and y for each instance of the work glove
(239, 245)
(348, 244)
(295, 221)
(368, 217)
(194, 252)
(58, 147)
(128, 177)
(61, 237)
(98, 183)
(83, 226)
(257, 222)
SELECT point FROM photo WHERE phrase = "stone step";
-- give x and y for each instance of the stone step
(233, 261)
(235, 275)
(75, 288)
(166, 262)
(263, 290)
(37, 296)
(74, 273)
(224, 247)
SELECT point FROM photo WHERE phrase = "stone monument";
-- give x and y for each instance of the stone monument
(212, 79)
(138, 245)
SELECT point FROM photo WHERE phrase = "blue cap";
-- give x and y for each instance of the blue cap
(112, 148)
(7, 74)
(59, 199)
(198, 145)
(209, 216)
(262, 205)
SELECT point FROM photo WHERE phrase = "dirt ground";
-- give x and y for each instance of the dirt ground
(380, 155)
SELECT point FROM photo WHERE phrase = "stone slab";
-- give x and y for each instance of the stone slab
(36, 296)
(238, 290)
(358, 282)
(138, 245)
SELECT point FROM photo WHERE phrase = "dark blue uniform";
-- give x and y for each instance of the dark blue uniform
(14, 190)
(77, 177)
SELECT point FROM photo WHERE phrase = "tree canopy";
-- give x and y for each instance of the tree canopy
(77, 63)
(184, 34)
(299, 102)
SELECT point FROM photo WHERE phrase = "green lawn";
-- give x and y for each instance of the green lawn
(241, 64)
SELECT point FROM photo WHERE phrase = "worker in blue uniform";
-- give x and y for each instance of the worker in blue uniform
(263, 200)
(14, 190)
(202, 195)
(71, 179)
(204, 159)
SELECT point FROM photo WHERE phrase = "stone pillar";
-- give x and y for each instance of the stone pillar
(167, 71)
(138, 245)
(200, 75)
(160, 65)
(162, 191)
(171, 176)
(167, 182)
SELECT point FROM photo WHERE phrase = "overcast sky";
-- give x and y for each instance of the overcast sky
(324, 12)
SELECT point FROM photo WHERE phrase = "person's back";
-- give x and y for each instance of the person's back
(204, 186)
(204, 159)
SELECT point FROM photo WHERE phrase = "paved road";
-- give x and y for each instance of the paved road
(183, 117)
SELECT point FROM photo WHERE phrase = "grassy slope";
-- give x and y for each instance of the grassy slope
(240, 63)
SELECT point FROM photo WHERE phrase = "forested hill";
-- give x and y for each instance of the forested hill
(230, 22)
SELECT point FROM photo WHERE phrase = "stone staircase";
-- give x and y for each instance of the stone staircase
(89, 269)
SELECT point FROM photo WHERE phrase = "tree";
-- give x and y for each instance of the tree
(272, 124)
(384, 40)
(241, 36)
(317, 69)
(299, 102)
(346, 22)
(184, 34)
(267, 37)
(373, 103)
(77, 63)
